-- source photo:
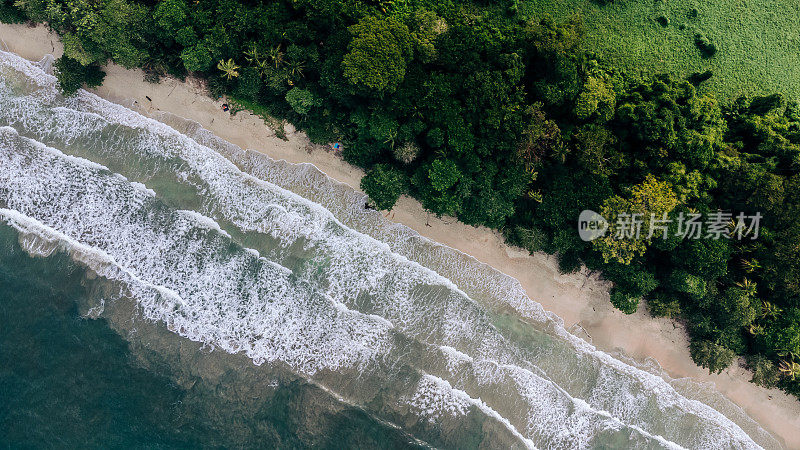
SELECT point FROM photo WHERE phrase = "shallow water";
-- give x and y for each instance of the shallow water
(263, 301)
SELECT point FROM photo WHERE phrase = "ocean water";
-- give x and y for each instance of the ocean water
(160, 287)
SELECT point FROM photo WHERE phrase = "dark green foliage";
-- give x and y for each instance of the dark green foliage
(698, 77)
(569, 262)
(663, 304)
(765, 374)
(692, 285)
(93, 32)
(72, 75)
(711, 356)
(11, 14)
(766, 104)
(531, 239)
(384, 185)
(623, 300)
(437, 184)
(707, 48)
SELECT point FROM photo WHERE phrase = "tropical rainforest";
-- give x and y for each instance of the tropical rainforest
(500, 115)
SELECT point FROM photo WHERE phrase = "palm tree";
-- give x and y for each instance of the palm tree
(535, 195)
(770, 310)
(229, 68)
(789, 369)
(755, 330)
(251, 55)
(748, 286)
(276, 56)
(295, 68)
(750, 265)
(391, 139)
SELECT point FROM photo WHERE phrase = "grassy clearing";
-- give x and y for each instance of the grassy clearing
(758, 41)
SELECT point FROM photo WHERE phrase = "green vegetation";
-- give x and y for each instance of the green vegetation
(507, 120)
(72, 75)
(384, 185)
(756, 43)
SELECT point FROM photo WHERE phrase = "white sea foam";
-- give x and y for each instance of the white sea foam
(436, 398)
(167, 271)
(238, 303)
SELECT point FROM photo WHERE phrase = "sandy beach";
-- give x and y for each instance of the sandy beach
(580, 299)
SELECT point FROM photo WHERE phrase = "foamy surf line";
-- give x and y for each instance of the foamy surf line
(48, 240)
(92, 255)
(568, 335)
(429, 241)
(525, 307)
(202, 221)
(135, 121)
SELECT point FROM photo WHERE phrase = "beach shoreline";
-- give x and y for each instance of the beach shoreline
(580, 299)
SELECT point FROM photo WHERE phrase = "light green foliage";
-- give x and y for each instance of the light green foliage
(377, 56)
(229, 68)
(197, 58)
(688, 186)
(689, 284)
(302, 101)
(426, 27)
(171, 15)
(443, 174)
(597, 98)
(651, 197)
(755, 53)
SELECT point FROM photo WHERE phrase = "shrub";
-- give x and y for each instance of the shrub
(302, 101)
(663, 304)
(698, 77)
(623, 300)
(384, 185)
(711, 356)
(569, 262)
(765, 373)
(707, 48)
(72, 75)
(11, 14)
